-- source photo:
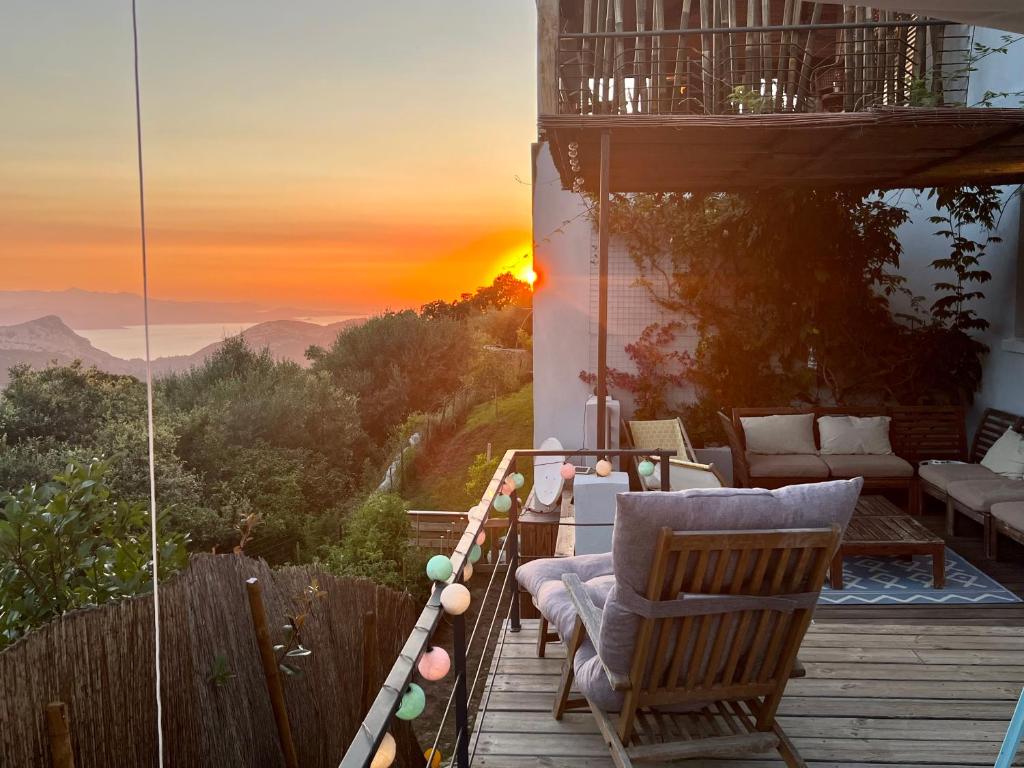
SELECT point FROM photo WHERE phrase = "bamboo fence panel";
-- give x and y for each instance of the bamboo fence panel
(99, 661)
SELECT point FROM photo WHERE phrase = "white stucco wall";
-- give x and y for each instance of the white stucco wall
(1003, 382)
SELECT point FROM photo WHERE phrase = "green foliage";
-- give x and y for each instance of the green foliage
(788, 293)
(506, 291)
(377, 545)
(69, 543)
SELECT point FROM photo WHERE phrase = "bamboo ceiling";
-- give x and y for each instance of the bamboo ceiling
(885, 148)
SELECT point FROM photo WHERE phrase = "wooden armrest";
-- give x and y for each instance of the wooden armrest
(688, 464)
(590, 615)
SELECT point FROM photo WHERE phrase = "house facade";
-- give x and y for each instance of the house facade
(566, 306)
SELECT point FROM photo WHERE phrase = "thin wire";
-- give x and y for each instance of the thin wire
(154, 553)
(495, 660)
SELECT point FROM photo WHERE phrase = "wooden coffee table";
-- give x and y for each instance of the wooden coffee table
(879, 527)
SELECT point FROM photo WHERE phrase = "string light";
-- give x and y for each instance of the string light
(433, 757)
(467, 572)
(603, 468)
(439, 568)
(474, 553)
(455, 599)
(502, 503)
(481, 537)
(434, 664)
(414, 701)
(518, 480)
(567, 471)
(385, 754)
(645, 468)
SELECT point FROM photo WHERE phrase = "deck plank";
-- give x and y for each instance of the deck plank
(876, 694)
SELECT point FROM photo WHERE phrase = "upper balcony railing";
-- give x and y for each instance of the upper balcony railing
(612, 57)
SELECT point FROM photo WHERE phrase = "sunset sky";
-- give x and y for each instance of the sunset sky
(325, 153)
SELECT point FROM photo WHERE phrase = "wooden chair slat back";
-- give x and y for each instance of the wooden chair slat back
(993, 425)
(920, 432)
(729, 655)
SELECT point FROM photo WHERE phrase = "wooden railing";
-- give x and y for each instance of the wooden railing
(614, 57)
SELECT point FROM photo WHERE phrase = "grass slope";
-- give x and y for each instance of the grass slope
(442, 474)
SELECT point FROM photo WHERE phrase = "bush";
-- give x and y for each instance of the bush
(68, 543)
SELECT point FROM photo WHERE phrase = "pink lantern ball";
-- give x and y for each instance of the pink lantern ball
(508, 487)
(568, 471)
(434, 663)
(481, 537)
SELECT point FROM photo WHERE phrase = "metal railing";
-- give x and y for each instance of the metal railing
(375, 725)
(897, 60)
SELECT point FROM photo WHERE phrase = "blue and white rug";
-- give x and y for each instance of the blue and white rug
(870, 580)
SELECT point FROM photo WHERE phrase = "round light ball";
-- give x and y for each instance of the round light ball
(434, 664)
(455, 599)
(414, 701)
(439, 568)
(481, 537)
(603, 468)
(467, 573)
(474, 553)
(645, 468)
(433, 757)
(385, 754)
(508, 487)
(567, 471)
(518, 479)
(502, 503)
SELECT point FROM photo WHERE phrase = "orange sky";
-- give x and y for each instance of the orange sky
(294, 154)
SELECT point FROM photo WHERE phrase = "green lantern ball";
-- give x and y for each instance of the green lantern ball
(645, 468)
(439, 568)
(503, 503)
(518, 480)
(474, 553)
(414, 701)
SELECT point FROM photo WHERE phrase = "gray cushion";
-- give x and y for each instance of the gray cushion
(554, 603)
(867, 465)
(786, 465)
(638, 521)
(941, 475)
(532, 575)
(1011, 513)
(980, 495)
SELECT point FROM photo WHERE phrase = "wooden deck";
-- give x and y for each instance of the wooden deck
(910, 695)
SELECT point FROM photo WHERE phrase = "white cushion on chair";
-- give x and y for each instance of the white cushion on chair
(941, 475)
(1006, 456)
(780, 433)
(854, 435)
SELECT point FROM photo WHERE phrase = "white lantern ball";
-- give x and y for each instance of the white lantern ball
(385, 754)
(434, 663)
(455, 599)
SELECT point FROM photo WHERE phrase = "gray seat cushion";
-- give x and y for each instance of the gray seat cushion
(554, 603)
(535, 573)
(980, 495)
(867, 465)
(786, 465)
(941, 475)
(1011, 513)
(638, 521)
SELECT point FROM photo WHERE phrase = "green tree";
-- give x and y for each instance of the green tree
(70, 543)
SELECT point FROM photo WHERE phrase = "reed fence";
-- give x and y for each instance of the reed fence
(99, 663)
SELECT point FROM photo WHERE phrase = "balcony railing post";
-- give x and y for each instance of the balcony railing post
(666, 481)
(461, 698)
(513, 558)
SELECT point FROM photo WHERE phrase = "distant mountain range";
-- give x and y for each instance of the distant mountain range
(48, 339)
(92, 309)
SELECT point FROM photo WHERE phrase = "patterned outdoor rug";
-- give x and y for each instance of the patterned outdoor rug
(872, 580)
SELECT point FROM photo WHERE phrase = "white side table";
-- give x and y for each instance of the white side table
(594, 502)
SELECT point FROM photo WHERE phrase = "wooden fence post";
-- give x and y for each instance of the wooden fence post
(60, 735)
(270, 671)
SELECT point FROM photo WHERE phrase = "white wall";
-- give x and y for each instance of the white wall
(1003, 382)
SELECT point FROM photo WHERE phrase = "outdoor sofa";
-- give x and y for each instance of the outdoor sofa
(776, 447)
(992, 477)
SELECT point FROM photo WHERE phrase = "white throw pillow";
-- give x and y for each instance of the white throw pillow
(782, 433)
(848, 435)
(1006, 456)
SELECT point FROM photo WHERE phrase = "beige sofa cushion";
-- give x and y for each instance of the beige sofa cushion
(868, 466)
(780, 434)
(1011, 513)
(941, 475)
(980, 495)
(846, 435)
(1006, 456)
(786, 465)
